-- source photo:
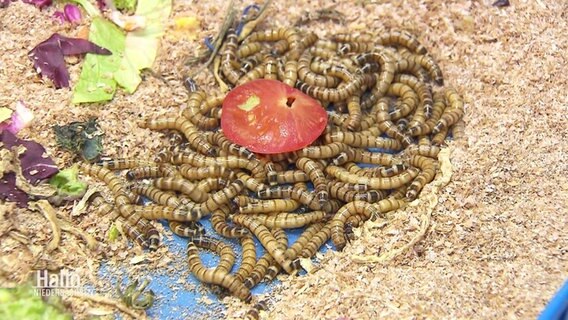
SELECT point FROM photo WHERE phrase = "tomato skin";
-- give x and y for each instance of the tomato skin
(268, 116)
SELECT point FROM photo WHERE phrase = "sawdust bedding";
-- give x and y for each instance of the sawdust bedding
(497, 242)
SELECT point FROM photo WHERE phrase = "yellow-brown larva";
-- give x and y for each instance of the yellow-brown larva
(181, 185)
(294, 250)
(274, 268)
(353, 121)
(346, 90)
(383, 183)
(220, 225)
(453, 113)
(185, 230)
(353, 37)
(346, 195)
(219, 139)
(359, 140)
(424, 94)
(279, 47)
(219, 198)
(316, 241)
(458, 131)
(124, 163)
(270, 68)
(131, 230)
(248, 49)
(337, 223)
(254, 312)
(355, 47)
(275, 192)
(143, 173)
(229, 58)
(248, 258)
(211, 184)
(428, 168)
(198, 173)
(439, 138)
(323, 152)
(386, 75)
(401, 38)
(182, 124)
(232, 162)
(251, 62)
(408, 100)
(198, 107)
(428, 63)
(158, 196)
(363, 156)
(290, 176)
(290, 73)
(215, 276)
(267, 239)
(270, 205)
(225, 252)
(256, 73)
(242, 200)
(251, 183)
(316, 175)
(290, 220)
(264, 262)
(423, 150)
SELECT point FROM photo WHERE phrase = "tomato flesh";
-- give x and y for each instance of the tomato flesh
(268, 116)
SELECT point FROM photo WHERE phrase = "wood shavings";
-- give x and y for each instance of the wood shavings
(110, 302)
(427, 201)
(81, 206)
(47, 210)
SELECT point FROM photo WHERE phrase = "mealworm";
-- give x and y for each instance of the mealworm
(220, 225)
(423, 150)
(458, 131)
(401, 38)
(428, 63)
(181, 185)
(197, 109)
(374, 183)
(428, 171)
(249, 63)
(267, 239)
(453, 113)
(191, 133)
(270, 68)
(256, 73)
(158, 196)
(353, 37)
(279, 47)
(131, 230)
(297, 247)
(186, 230)
(232, 162)
(275, 192)
(408, 100)
(322, 152)
(424, 96)
(143, 173)
(248, 49)
(290, 176)
(337, 223)
(254, 312)
(229, 58)
(289, 220)
(215, 276)
(192, 173)
(317, 177)
(290, 73)
(346, 195)
(274, 268)
(362, 156)
(264, 262)
(209, 184)
(359, 140)
(271, 205)
(251, 183)
(248, 258)
(316, 241)
(124, 163)
(219, 139)
(439, 138)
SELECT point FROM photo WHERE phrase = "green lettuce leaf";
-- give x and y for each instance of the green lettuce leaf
(24, 303)
(67, 183)
(142, 45)
(96, 82)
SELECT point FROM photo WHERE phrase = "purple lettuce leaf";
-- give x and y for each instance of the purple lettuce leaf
(47, 56)
(9, 191)
(4, 3)
(72, 13)
(36, 166)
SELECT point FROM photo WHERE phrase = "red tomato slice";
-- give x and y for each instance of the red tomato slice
(268, 116)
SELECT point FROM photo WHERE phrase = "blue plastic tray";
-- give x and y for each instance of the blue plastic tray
(557, 308)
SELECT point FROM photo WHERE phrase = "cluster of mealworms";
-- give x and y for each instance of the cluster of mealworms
(387, 109)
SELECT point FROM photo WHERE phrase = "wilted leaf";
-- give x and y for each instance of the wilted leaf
(82, 138)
